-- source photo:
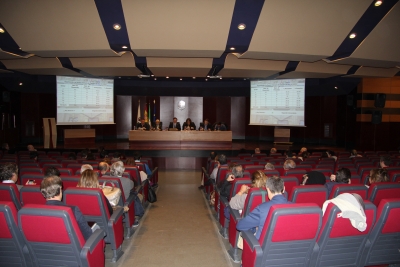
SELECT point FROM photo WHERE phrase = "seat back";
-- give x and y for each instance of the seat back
(379, 191)
(338, 189)
(252, 168)
(289, 182)
(11, 238)
(9, 192)
(271, 173)
(222, 171)
(298, 173)
(317, 194)
(384, 237)
(31, 195)
(340, 244)
(288, 236)
(253, 199)
(36, 177)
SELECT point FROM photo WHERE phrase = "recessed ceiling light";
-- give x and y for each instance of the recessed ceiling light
(242, 26)
(124, 47)
(20, 83)
(2, 30)
(194, 77)
(352, 36)
(180, 79)
(336, 87)
(220, 78)
(232, 48)
(167, 77)
(206, 79)
(155, 79)
(378, 3)
(244, 79)
(117, 27)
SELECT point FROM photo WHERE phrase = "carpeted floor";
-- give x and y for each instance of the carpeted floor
(178, 230)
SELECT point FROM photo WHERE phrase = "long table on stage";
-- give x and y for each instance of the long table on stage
(180, 139)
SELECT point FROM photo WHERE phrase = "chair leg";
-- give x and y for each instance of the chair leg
(117, 253)
(233, 253)
(224, 232)
(129, 232)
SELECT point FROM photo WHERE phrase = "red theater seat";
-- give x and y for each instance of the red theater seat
(379, 191)
(9, 192)
(31, 195)
(338, 189)
(317, 194)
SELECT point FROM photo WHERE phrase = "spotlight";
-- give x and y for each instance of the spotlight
(232, 48)
(20, 83)
(352, 36)
(117, 27)
(242, 26)
(2, 30)
(124, 47)
(167, 77)
(378, 3)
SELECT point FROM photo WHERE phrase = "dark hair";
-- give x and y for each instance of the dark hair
(386, 160)
(116, 155)
(33, 154)
(136, 155)
(213, 155)
(222, 159)
(305, 154)
(51, 171)
(72, 156)
(289, 153)
(175, 118)
(189, 119)
(343, 176)
(7, 171)
(275, 184)
(51, 186)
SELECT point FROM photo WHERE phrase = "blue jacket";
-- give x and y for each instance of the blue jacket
(257, 217)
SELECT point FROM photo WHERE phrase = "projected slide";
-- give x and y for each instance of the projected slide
(84, 101)
(277, 102)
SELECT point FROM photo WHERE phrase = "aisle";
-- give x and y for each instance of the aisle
(177, 230)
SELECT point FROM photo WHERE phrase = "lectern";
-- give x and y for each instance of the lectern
(49, 133)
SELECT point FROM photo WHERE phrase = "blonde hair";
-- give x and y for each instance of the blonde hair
(258, 179)
(378, 176)
(88, 179)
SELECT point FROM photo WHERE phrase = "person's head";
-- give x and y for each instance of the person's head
(5, 146)
(130, 161)
(222, 159)
(273, 150)
(85, 167)
(303, 149)
(330, 153)
(343, 176)
(289, 164)
(213, 155)
(51, 187)
(33, 155)
(136, 155)
(142, 121)
(269, 166)
(305, 155)
(103, 167)
(257, 150)
(9, 171)
(274, 186)
(51, 171)
(385, 161)
(175, 120)
(237, 171)
(30, 148)
(84, 154)
(258, 179)
(314, 178)
(157, 121)
(289, 153)
(117, 169)
(206, 122)
(88, 179)
(353, 152)
(378, 176)
(107, 160)
(188, 121)
(72, 156)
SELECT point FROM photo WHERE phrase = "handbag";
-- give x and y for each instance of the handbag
(112, 193)
(151, 195)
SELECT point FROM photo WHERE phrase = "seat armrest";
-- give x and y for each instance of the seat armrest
(115, 216)
(224, 200)
(92, 242)
(152, 173)
(252, 250)
(235, 214)
(129, 201)
(251, 240)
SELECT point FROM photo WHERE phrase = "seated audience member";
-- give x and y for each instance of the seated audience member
(89, 180)
(102, 152)
(9, 174)
(220, 127)
(30, 148)
(269, 166)
(188, 125)
(117, 170)
(116, 157)
(130, 162)
(313, 178)
(378, 176)
(51, 189)
(157, 125)
(103, 168)
(205, 126)
(385, 161)
(137, 158)
(84, 154)
(72, 156)
(33, 155)
(304, 155)
(303, 149)
(107, 160)
(257, 217)
(258, 180)
(342, 176)
(85, 167)
(354, 154)
(145, 126)
(220, 161)
(331, 154)
(273, 150)
(237, 172)
(175, 124)
(90, 156)
(289, 154)
(5, 148)
(51, 171)
(256, 151)
(289, 164)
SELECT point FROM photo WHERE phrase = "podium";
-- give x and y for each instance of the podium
(49, 133)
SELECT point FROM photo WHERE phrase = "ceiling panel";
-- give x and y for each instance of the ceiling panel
(4, 55)
(238, 73)
(319, 69)
(381, 47)
(375, 72)
(178, 28)
(38, 66)
(56, 28)
(179, 67)
(304, 30)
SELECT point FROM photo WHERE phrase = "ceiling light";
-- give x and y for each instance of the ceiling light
(117, 27)
(206, 79)
(2, 30)
(180, 79)
(194, 77)
(336, 87)
(167, 77)
(119, 77)
(232, 48)
(124, 47)
(20, 83)
(378, 3)
(220, 78)
(352, 36)
(242, 26)
(155, 79)
(244, 79)
(152, 75)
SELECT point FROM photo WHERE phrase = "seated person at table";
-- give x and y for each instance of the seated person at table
(143, 125)
(219, 126)
(257, 217)
(51, 189)
(189, 125)
(157, 125)
(175, 124)
(342, 176)
(205, 126)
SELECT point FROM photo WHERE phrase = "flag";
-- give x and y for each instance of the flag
(154, 112)
(146, 117)
(149, 114)
(138, 111)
